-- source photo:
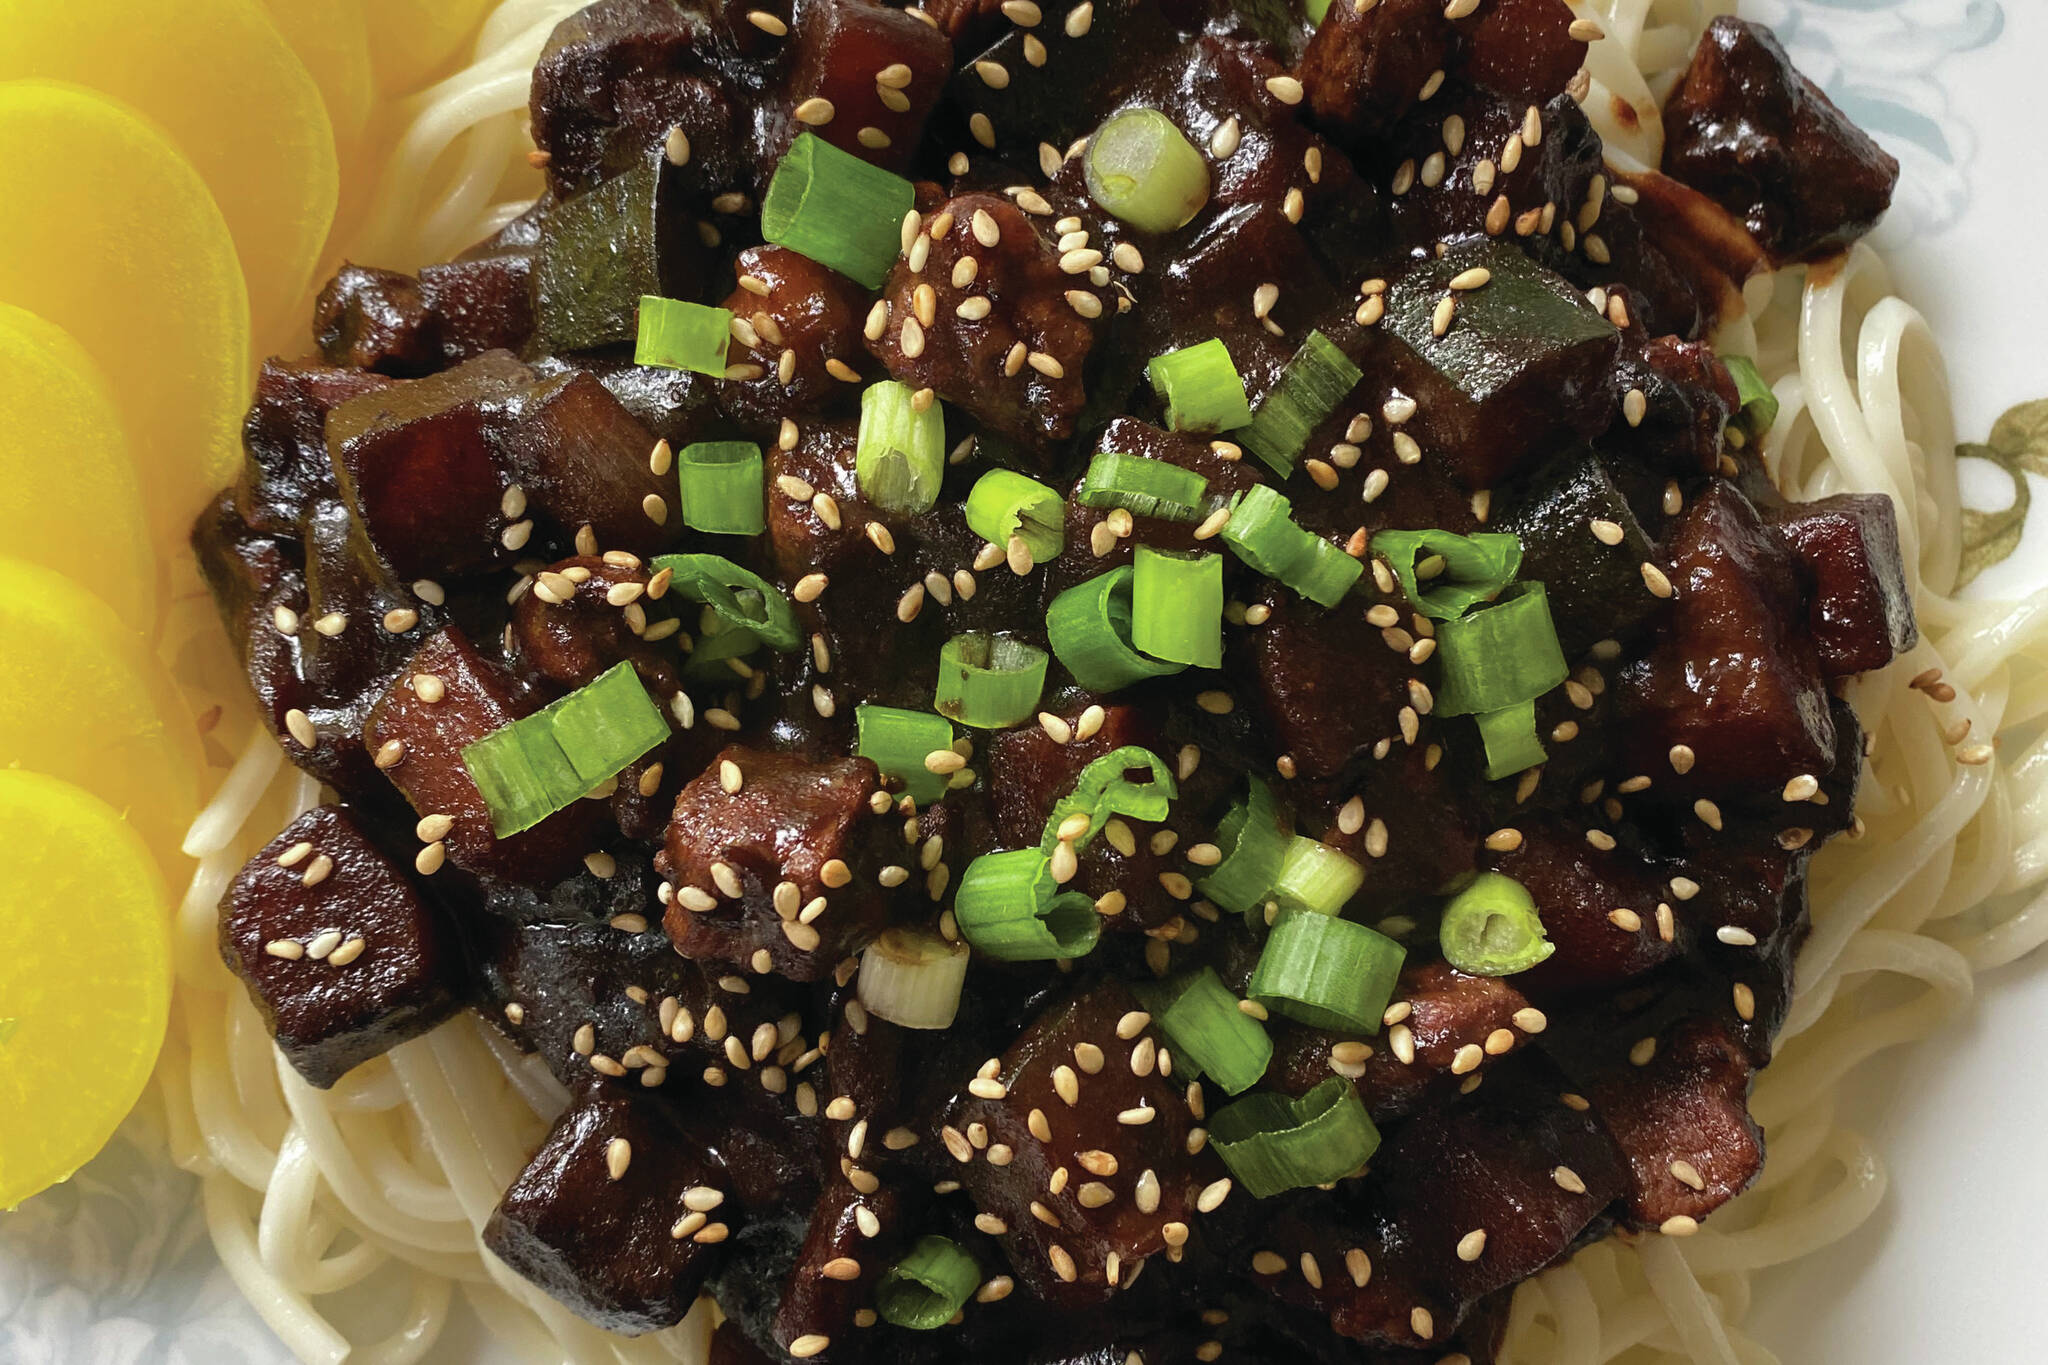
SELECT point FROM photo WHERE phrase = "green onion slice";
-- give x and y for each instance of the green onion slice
(723, 487)
(1500, 655)
(1273, 1144)
(678, 335)
(1201, 388)
(926, 1288)
(899, 457)
(1756, 403)
(739, 596)
(836, 209)
(1177, 606)
(1141, 168)
(1474, 570)
(1262, 533)
(898, 742)
(1491, 928)
(1005, 503)
(989, 681)
(718, 641)
(913, 979)
(1104, 788)
(1009, 907)
(1143, 486)
(548, 761)
(1090, 628)
(1202, 1022)
(1309, 389)
(1510, 738)
(1313, 876)
(1254, 838)
(1315, 9)
(1327, 972)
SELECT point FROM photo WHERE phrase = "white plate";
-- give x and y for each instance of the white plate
(116, 1268)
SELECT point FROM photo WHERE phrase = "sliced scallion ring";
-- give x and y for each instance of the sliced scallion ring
(1509, 735)
(913, 979)
(722, 485)
(1140, 167)
(989, 681)
(1201, 388)
(836, 209)
(926, 1288)
(676, 334)
(1104, 788)
(1008, 906)
(899, 741)
(1089, 626)
(1142, 486)
(1491, 928)
(1254, 838)
(1474, 569)
(1004, 503)
(1500, 655)
(1311, 387)
(1313, 876)
(1327, 972)
(738, 595)
(1273, 1144)
(1177, 606)
(1209, 1034)
(899, 456)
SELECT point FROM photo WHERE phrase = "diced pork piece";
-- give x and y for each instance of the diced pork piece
(575, 622)
(1330, 686)
(1461, 1202)
(842, 53)
(583, 460)
(756, 842)
(798, 309)
(1682, 1119)
(1688, 398)
(1599, 907)
(447, 698)
(1523, 365)
(1014, 359)
(285, 439)
(851, 1239)
(1751, 132)
(1861, 616)
(1453, 1026)
(1582, 542)
(481, 303)
(340, 954)
(595, 999)
(1737, 680)
(1076, 1095)
(421, 466)
(1363, 71)
(617, 75)
(373, 319)
(1522, 50)
(621, 1215)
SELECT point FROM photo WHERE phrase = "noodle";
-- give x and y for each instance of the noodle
(388, 1179)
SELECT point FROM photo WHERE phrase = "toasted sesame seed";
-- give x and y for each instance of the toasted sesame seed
(808, 1345)
(1679, 1225)
(1286, 89)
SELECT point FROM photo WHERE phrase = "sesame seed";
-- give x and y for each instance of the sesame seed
(1472, 1245)
(1708, 812)
(1679, 1225)
(1655, 580)
(1286, 89)
(808, 1345)
(1567, 1179)
(301, 727)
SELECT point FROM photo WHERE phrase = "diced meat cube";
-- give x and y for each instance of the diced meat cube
(1737, 679)
(374, 319)
(1454, 1026)
(1751, 132)
(1599, 908)
(1522, 50)
(1077, 1096)
(1510, 1173)
(617, 75)
(797, 309)
(1525, 364)
(755, 840)
(421, 468)
(851, 1239)
(1581, 540)
(1687, 1106)
(1017, 366)
(447, 698)
(602, 1218)
(285, 439)
(1688, 398)
(584, 460)
(569, 628)
(1860, 613)
(840, 52)
(481, 303)
(339, 953)
(1363, 71)
(564, 978)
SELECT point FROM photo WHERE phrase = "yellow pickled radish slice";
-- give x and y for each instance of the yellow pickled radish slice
(83, 699)
(85, 978)
(333, 42)
(69, 499)
(109, 233)
(216, 76)
(413, 42)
